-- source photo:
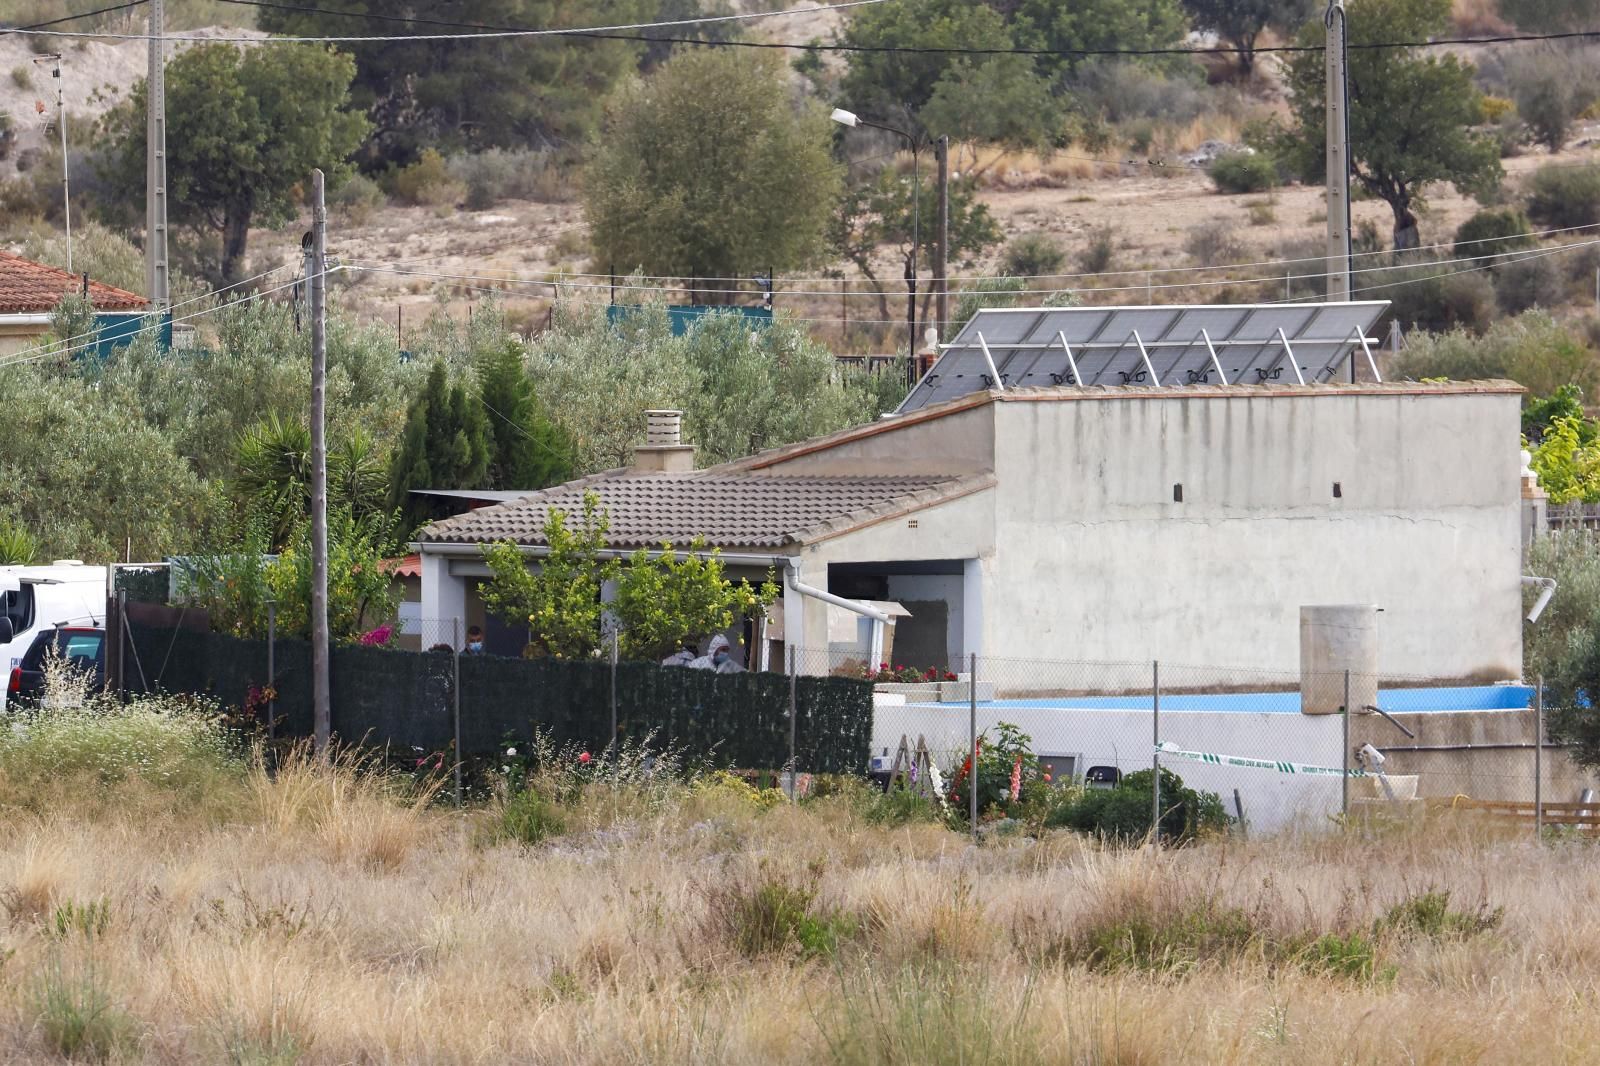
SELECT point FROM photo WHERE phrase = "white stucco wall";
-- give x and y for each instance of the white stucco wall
(1093, 559)
(1272, 801)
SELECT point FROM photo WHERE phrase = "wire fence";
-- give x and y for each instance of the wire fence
(1264, 750)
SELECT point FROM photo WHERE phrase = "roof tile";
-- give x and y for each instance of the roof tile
(734, 511)
(27, 287)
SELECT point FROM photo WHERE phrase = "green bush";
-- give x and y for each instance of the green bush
(1122, 814)
(501, 174)
(1494, 231)
(1145, 940)
(427, 181)
(1532, 349)
(1099, 250)
(771, 916)
(1561, 197)
(1242, 172)
(1522, 284)
(529, 819)
(1436, 298)
(1429, 915)
(357, 199)
(1033, 255)
(172, 744)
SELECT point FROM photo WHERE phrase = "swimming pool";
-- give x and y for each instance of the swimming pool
(1395, 701)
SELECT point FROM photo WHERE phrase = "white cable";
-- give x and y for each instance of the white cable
(478, 35)
(48, 351)
(1492, 258)
(971, 278)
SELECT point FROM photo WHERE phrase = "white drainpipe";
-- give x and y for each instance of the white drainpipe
(1547, 589)
(879, 618)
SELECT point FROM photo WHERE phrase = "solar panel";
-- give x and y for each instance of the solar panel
(1170, 346)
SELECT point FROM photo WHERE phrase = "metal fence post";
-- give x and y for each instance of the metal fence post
(1155, 753)
(1538, 760)
(272, 670)
(794, 718)
(972, 736)
(122, 643)
(455, 697)
(1344, 760)
(614, 653)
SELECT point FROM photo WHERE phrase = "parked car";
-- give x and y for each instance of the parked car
(80, 647)
(34, 599)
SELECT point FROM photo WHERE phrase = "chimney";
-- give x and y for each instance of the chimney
(664, 451)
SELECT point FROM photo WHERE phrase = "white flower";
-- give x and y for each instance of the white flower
(511, 751)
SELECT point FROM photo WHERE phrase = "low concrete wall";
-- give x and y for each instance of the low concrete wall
(1497, 766)
(1272, 801)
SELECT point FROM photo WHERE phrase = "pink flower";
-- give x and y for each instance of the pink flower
(584, 758)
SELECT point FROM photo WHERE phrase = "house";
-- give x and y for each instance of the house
(29, 291)
(1182, 504)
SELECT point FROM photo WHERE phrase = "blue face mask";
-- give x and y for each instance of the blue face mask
(720, 658)
(475, 646)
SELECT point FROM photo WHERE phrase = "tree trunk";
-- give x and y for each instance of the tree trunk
(1406, 236)
(235, 234)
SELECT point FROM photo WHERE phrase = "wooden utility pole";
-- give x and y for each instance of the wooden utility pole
(317, 277)
(156, 274)
(1338, 158)
(941, 257)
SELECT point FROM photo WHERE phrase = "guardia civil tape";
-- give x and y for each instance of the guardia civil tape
(1212, 758)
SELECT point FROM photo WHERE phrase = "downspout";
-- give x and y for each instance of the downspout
(879, 618)
(1547, 589)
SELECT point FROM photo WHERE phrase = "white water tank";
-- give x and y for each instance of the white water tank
(1335, 639)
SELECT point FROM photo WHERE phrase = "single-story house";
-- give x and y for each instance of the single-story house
(1185, 516)
(29, 291)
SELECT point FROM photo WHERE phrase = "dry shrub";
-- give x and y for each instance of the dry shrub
(1214, 243)
(427, 182)
(42, 869)
(1478, 18)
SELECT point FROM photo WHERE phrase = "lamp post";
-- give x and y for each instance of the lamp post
(851, 119)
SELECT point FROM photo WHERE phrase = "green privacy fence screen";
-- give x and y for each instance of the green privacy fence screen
(405, 700)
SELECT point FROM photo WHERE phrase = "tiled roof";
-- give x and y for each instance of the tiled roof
(731, 511)
(27, 287)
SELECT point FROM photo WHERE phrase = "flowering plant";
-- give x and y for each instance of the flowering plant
(905, 675)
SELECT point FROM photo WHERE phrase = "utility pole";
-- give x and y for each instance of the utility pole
(317, 277)
(1336, 55)
(941, 259)
(54, 58)
(911, 267)
(156, 275)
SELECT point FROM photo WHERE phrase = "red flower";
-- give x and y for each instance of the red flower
(584, 758)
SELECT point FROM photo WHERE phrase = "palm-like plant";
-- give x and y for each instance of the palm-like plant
(272, 474)
(17, 545)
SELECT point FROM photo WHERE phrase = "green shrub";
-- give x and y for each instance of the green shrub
(1241, 172)
(1214, 244)
(1532, 349)
(898, 807)
(529, 819)
(1494, 231)
(1561, 197)
(22, 77)
(177, 746)
(18, 547)
(1535, 281)
(357, 199)
(71, 1000)
(508, 174)
(1353, 956)
(1123, 813)
(1033, 255)
(1099, 250)
(427, 182)
(1430, 916)
(1436, 298)
(772, 916)
(1172, 942)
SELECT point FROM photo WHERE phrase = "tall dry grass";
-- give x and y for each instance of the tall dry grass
(331, 916)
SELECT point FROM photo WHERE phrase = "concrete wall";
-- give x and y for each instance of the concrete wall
(957, 529)
(1095, 560)
(1272, 801)
(952, 445)
(1492, 765)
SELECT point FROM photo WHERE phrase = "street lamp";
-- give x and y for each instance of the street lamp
(852, 120)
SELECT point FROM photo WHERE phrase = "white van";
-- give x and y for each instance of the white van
(33, 598)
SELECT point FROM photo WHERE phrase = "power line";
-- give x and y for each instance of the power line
(561, 278)
(482, 30)
(591, 31)
(73, 18)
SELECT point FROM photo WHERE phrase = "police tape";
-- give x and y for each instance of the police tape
(1211, 758)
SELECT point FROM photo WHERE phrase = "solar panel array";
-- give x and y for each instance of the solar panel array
(1235, 344)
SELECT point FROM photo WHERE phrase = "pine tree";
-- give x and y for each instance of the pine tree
(446, 445)
(527, 450)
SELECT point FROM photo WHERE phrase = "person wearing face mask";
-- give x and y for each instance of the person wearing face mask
(724, 662)
(474, 640)
(717, 645)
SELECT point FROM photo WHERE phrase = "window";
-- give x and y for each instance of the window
(81, 649)
(17, 605)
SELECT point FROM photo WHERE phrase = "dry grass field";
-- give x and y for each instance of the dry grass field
(167, 902)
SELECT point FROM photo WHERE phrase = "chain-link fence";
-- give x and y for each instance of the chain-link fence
(1233, 749)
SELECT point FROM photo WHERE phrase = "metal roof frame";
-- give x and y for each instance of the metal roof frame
(1241, 344)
